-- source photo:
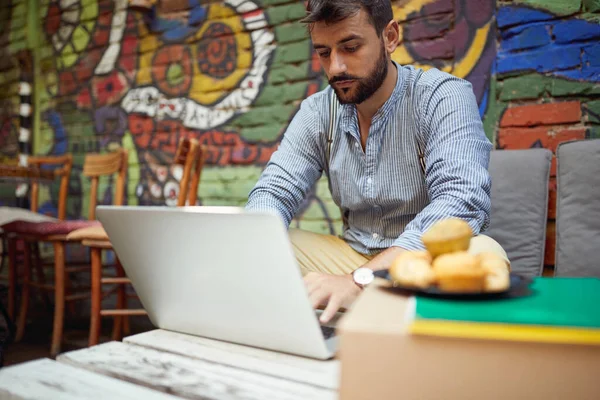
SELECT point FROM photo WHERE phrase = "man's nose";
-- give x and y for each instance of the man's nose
(337, 66)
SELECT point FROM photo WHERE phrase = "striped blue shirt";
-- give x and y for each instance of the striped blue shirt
(382, 192)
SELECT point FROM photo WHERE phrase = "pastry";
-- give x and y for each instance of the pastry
(413, 269)
(459, 272)
(493, 256)
(447, 236)
(421, 255)
(497, 276)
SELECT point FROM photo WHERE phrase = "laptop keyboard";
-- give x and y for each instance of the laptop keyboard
(327, 331)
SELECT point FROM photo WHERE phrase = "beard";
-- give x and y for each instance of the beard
(364, 88)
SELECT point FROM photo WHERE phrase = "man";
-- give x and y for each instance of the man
(387, 113)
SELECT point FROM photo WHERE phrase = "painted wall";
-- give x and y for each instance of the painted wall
(233, 73)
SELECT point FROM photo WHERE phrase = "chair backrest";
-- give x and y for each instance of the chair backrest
(98, 165)
(578, 209)
(185, 156)
(520, 206)
(200, 159)
(63, 172)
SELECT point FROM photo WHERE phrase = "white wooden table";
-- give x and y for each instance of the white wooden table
(166, 365)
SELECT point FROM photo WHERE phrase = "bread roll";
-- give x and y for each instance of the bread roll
(447, 236)
(413, 269)
(459, 272)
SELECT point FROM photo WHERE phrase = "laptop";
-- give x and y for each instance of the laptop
(218, 272)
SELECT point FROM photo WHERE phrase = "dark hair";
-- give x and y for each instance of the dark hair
(331, 11)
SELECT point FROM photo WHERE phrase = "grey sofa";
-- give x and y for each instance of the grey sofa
(578, 209)
(520, 206)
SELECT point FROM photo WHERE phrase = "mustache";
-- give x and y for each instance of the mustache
(341, 78)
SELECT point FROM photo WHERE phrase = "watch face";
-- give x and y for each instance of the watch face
(363, 276)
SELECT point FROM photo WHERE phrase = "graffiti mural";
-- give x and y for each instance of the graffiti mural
(156, 78)
(232, 73)
(220, 72)
(455, 36)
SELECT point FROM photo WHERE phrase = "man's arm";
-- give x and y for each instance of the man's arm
(293, 168)
(456, 156)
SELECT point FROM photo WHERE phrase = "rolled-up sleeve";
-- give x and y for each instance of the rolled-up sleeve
(457, 156)
(293, 168)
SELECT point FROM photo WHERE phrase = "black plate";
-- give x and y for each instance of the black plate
(519, 287)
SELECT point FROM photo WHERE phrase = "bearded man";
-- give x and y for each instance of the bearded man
(408, 149)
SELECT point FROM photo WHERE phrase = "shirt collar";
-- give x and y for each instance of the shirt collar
(348, 114)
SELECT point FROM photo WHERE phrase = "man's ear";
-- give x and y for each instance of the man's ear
(391, 36)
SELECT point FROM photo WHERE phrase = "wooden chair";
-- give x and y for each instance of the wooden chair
(190, 155)
(94, 167)
(62, 172)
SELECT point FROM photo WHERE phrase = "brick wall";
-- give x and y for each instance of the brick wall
(232, 73)
(547, 83)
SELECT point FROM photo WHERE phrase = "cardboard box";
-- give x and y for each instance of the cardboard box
(381, 360)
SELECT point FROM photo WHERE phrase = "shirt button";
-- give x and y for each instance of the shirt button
(355, 144)
(375, 236)
(369, 181)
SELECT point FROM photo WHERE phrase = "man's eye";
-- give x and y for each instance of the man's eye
(324, 54)
(352, 49)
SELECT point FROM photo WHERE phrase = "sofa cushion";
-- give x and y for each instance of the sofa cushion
(520, 206)
(578, 209)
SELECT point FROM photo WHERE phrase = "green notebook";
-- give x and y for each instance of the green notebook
(566, 302)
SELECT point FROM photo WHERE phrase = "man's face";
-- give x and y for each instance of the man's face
(353, 57)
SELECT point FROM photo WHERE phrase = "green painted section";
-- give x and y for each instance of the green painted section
(493, 113)
(264, 133)
(175, 74)
(292, 32)
(282, 94)
(286, 13)
(534, 86)
(593, 108)
(18, 23)
(266, 3)
(562, 87)
(591, 5)
(595, 18)
(133, 171)
(557, 7)
(289, 73)
(34, 44)
(296, 52)
(524, 87)
(276, 114)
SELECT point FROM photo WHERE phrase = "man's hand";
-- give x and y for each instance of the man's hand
(335, 290)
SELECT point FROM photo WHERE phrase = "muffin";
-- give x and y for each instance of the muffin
(447, 236)
(413, 269)
(497, 276)
(459, 272)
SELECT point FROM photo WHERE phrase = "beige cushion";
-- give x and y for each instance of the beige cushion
(88, 233)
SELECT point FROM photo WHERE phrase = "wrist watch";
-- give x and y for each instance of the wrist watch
(363, 276)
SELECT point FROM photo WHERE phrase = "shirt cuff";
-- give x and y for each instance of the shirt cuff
(265, 209)
(410, 240)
